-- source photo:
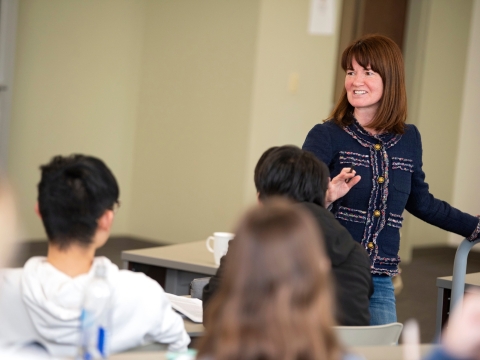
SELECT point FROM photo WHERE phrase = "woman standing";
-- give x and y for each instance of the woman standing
(375, 160)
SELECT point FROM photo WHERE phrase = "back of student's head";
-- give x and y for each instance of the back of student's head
(291, 172)
(274, 301)
(73, 194)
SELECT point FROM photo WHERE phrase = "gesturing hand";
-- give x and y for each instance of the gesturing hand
(339, 186)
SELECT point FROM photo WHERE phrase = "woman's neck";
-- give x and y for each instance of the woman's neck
(364, 118)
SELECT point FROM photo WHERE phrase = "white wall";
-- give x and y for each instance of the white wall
(466, 191)
(285, 52)
(76, 91)
(181, 97)
(438, 58)
(194, 113)
(207, 116)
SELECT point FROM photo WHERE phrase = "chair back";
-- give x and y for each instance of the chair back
(369, 335)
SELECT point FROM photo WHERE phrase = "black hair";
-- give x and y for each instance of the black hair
(291, 172)
(73, 193)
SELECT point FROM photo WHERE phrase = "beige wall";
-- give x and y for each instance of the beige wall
(76, 90)
(181, 97)
(466, 191)
(294, 79)
(193, 120)
(437, 53)
(238, 106)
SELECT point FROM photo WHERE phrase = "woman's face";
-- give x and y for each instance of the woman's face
(364, 87)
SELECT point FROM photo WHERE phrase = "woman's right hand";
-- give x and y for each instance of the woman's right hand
(339, 187)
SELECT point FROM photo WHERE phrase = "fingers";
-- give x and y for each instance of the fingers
(347, 170)
(345, 174)
(354, 181)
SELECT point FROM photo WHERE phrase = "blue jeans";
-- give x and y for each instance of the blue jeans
(382, 303)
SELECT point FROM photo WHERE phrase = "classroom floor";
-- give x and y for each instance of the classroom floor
(418, 298)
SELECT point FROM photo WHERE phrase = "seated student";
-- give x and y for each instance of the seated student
(276, 300)
(42, 303)
(298, 175)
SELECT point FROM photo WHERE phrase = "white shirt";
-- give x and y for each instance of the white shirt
(41, 304)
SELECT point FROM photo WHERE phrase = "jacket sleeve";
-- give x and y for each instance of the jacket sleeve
(354, 288)
(436, 212)
(319, 143)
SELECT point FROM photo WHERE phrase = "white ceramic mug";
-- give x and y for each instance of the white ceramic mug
(220, 244)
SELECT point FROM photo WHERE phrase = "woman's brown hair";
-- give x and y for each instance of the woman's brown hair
(385, 58)
(274, 301)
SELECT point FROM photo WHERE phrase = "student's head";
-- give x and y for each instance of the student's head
(290, 172)
(384, 57)
(76, 197)
(275, 299)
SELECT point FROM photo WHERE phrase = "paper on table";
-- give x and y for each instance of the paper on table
(191, 308)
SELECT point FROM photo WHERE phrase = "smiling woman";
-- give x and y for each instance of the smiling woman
(364, 89)
(367, 130)
(373, 64)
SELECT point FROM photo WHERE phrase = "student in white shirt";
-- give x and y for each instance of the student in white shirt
(41, 303)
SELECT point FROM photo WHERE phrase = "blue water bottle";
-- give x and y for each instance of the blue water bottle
(96, 317)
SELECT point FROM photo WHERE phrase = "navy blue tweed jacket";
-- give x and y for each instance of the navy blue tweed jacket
(392, 180)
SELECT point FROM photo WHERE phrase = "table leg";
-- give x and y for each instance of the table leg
(443, 309)
(157, 273)
(171, 282)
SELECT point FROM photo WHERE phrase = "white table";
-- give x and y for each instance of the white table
(173, 266)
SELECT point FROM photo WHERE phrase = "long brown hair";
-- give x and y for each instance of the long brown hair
(275, 299)
(384, 56)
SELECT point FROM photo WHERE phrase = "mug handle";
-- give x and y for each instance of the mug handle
(208, 244)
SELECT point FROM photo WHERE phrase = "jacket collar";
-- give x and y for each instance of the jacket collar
(366, 139)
